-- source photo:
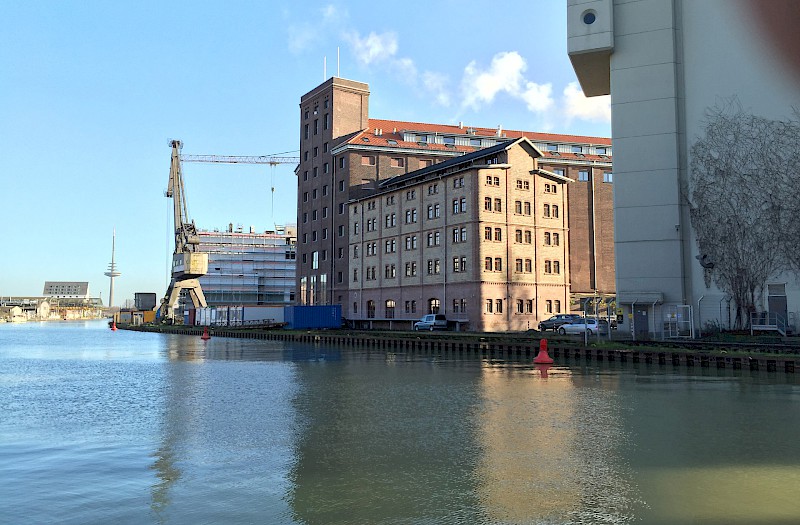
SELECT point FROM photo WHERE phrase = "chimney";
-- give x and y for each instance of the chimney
(499, 131)
(460, 125)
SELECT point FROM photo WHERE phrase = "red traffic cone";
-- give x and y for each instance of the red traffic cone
(206, 336)
(542, 358)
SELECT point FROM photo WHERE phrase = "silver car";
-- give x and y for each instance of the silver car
(432, 322)
(581, 325)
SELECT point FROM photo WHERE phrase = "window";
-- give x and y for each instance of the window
(518, 207)
(391, 246)
(305, 217)
(433, 189)
(339, 277)
(529, 306)
(425, 163)
(487, 203)
(518, 265)
(370, 309)
(389, 271)
(489, 306)
(316, 151)
(341, 162)
(600, 151)
(576, 149)
(355, 308)
(459, 235)
(527, 237)
(548, 266)
(390, 220)
(411, 242)
(459, 205)
(314, 194)
(325, 120)
(341, 230)
(552, 147)
(555, 211)
(498, 234)
(487, 264)
(341, 208)
(305, 175)
(498, 264)
(390, 304)
(583, 176)
(314, 235)
(314, 171)
(411, 195)
(498, 306)
(498, 205)
(557, 306)
(390, 200)
(519, 306)
(487, 233)
(433, 306)
(458, 182)
(411, 307)
(555, 239)
(608, 177)
(305, 129)
(456, 265)
(556, 267)
(316, 126)
(324, 233)
(341, 184)
(398, 162)
(325, 168)
(355, 275)
(305, 196)
(411, 269)
(368, 160)
(341, 253)
(518, 236)
(546, 210)
(325, 190)
(527, 208)
(355, 228)
(548, 306)
(528, 265)
(547, 238)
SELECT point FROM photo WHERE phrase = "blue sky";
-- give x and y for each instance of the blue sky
(91, 93)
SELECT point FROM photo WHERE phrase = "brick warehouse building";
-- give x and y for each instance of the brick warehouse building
(345, 155)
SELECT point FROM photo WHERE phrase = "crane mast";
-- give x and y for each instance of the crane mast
(188, 263)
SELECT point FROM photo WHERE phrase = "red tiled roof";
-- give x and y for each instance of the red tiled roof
(388, 127)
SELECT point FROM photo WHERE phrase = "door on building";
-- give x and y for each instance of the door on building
(776, 300)
(641, 323)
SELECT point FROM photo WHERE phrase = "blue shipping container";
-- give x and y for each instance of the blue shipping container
(313, 317)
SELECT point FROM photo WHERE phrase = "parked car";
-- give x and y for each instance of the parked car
(557, 320)
(581, 325)
(431, 322)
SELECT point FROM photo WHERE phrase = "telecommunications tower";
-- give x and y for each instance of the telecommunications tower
(112, 270)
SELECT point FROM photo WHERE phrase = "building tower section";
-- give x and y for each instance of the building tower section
(331, 111)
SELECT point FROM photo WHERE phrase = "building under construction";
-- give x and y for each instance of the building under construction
(249, 268)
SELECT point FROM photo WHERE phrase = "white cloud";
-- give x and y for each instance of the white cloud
(577, 105)
(504, 75)
(303, 36)
(436, 84)
(374, 47)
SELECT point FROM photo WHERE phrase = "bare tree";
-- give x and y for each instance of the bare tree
(741, 192)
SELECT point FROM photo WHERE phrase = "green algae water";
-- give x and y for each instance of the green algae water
(127, 427)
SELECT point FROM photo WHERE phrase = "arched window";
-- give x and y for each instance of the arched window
(370, 309)
(433, 306)
(390, 304)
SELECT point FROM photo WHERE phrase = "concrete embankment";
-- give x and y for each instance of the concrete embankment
(688, 354)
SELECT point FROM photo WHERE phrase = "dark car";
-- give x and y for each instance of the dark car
(556, 321)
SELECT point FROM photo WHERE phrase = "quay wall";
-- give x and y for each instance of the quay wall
(516, 346)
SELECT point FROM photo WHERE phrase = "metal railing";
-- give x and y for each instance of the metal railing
(768, 321)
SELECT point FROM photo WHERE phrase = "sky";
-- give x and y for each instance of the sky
(91, 93)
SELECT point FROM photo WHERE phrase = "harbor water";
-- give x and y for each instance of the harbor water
(128, 427)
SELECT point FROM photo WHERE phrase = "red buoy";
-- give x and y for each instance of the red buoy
(206, 336)
(542, 358)
(113, 326)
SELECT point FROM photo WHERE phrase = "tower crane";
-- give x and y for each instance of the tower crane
(188, 264)
(272, 160)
